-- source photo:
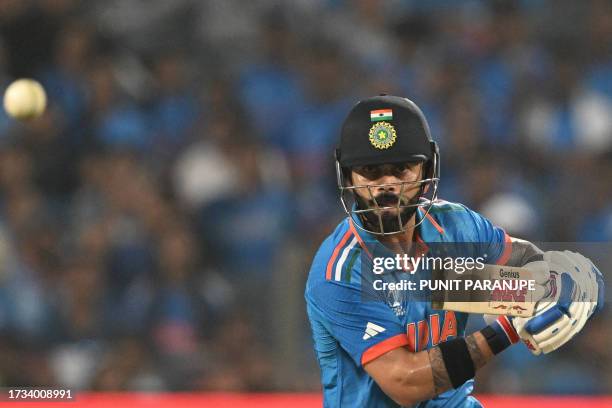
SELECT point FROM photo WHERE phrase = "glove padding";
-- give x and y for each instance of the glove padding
(575, 293)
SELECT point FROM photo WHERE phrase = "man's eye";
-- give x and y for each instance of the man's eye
(370, 169)
(370, 172)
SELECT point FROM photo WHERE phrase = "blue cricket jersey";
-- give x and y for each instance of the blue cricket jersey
(349, 330)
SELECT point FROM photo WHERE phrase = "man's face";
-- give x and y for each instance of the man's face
(384, 186)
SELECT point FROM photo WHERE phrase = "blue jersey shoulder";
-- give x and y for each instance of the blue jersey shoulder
(454, 222)
(459, 223)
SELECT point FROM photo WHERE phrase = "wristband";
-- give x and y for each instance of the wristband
(458, 361)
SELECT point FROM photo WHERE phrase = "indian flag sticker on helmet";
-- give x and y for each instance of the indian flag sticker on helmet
(381, 114)
(382, 135)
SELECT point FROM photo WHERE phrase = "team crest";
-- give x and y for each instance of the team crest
(382, 135)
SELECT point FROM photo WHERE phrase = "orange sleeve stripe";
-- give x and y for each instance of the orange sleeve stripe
(361, 243)
(434, 223)
(383, 347)
(330, 264)
(505, 256)
(422, 245)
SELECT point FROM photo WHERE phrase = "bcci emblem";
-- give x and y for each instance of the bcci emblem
(382, 135)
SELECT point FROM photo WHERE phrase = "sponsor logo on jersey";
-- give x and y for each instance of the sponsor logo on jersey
(372, 330)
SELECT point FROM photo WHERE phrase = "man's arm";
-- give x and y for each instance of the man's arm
(409, 378)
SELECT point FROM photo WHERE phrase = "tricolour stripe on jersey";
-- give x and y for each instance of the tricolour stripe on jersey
(332, 260)
(348, 269)
(338, 275)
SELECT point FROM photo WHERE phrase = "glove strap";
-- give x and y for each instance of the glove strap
(500, 335)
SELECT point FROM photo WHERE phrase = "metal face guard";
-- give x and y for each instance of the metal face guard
(419, 201)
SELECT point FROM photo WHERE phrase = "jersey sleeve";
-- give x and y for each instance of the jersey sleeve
(364, 328)
(493, 242)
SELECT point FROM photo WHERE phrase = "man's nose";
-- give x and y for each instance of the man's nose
(388, 183)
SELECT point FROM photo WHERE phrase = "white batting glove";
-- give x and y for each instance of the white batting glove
(576, 292)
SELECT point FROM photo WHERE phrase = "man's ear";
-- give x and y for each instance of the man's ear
(425, 173)
(348, 176)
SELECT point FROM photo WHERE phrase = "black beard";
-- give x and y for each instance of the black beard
(390, 222)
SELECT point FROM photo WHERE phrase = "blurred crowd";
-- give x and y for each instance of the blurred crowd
(158, 222)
